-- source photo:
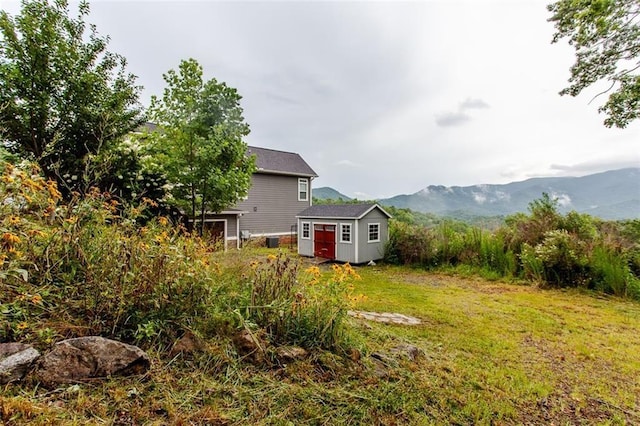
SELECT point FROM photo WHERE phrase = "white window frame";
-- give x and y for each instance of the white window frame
(350, 240)
(369, 226)
(306, 192)
(302, 231)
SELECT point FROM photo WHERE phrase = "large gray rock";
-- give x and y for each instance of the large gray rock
(84, 358)
(15, 361)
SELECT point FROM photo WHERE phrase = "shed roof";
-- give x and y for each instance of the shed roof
(340, 211)
(280, 162)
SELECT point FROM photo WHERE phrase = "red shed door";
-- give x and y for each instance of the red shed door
(324, 241)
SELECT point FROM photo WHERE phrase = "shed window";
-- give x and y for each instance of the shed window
(345, 232)
(306, 230)
(374, 232)
(303, 190)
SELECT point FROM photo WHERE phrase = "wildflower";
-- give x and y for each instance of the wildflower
(36, 233)
(162, 237)
(163, 221)
(36, 299)
(149, 201)
(271, 257)
(23, 325)
(254, 264)
(9, 239)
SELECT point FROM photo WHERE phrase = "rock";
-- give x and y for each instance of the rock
(251, 345)
(385, 317)
(84, 358)
(384, 359)
(187, 344)
(291, 353)
(15, 361)
(407, 351)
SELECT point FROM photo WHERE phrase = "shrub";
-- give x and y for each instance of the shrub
(80, 268)
(308, 311)
(563, 259)
(410, 245)
(611, 273)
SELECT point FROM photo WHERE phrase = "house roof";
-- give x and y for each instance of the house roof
(340, 211)
(280, 162)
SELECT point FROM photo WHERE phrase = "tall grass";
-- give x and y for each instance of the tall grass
(574, 250)
(300, 307)
(88, 267)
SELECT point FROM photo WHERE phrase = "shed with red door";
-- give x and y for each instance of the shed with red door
(354, 233)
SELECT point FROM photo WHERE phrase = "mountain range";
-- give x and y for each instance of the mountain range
(613, 194)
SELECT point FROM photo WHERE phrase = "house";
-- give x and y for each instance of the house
(280, 189)
(354, 233)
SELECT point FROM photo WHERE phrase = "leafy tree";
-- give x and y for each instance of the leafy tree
(606, 37)
(64, 97)
(199, 144)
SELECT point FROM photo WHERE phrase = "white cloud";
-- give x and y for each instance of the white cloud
(348, 163)
(419, 93)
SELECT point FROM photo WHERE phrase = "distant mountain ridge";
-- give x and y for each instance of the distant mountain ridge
(613, 194)
(326, 193)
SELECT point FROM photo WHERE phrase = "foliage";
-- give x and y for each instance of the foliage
(64, 97)
(199, 145)
(572, 250)
(606, 37)
(413, 217)
(79, 268)
(87, 267)
(301, 309)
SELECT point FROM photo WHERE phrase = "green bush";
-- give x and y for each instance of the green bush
(611, 273)
(81, 268)
(300, 308)
(574, 250)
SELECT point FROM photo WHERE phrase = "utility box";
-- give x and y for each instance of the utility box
(273, 242)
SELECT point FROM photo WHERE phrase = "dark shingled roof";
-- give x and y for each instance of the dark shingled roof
(280, 162)
(340, 211)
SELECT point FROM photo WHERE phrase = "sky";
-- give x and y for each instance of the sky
(384, 98)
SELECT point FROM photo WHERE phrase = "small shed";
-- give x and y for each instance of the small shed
(354, 233)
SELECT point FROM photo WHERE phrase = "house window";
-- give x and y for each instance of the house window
(374, 232)
(345, 232)
(303, 190)
(306, 230)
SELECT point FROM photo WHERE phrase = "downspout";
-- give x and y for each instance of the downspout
(238, 231)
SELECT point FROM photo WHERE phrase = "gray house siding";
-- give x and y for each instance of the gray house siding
(272, 204)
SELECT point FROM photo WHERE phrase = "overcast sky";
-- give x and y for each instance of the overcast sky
(384, 98)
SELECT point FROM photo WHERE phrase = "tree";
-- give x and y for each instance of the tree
(199, 144)
(606, 37)
(64, 96)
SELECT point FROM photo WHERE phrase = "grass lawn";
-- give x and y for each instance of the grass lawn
(506, 353)
(493, 353)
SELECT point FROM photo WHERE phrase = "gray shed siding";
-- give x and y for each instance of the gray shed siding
(359, 250)
(305, 245)
(272, 204)
(346, 252)
(372, 251)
